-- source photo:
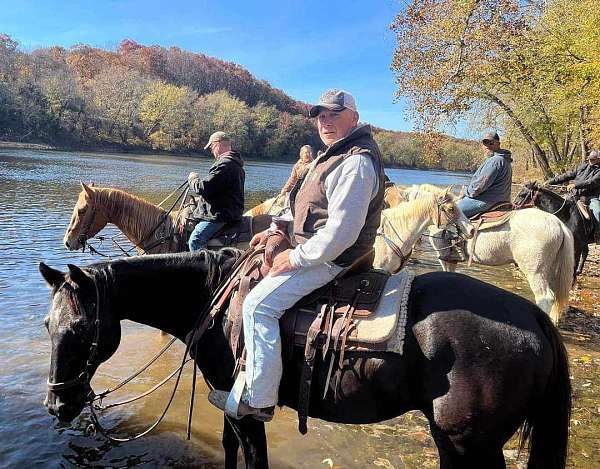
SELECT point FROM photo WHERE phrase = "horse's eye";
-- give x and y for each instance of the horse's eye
(81, 211)
(47, 323)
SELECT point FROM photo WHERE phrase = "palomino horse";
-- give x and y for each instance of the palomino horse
(272, 206)
(402, 226)
(148, 227)
(537, 242)
(394, 195)
(479, 362)
(566, 210)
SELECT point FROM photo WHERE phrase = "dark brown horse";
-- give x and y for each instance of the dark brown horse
(478, 361)
(566, 210)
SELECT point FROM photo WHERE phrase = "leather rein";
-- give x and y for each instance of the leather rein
(205, 321)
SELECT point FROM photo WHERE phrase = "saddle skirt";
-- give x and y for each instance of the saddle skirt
(496, 216)
(232, 234)
(378, 320)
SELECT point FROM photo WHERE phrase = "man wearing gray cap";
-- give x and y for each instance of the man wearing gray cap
(221, 192)
(584, 182)
(492, 181)
(335, 213)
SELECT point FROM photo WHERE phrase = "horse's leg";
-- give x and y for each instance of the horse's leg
(544, 296)
(251, 436)
(472, 457)
(583, 253)
(231, 444)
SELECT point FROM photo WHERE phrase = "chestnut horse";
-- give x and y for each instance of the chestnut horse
(151, 229)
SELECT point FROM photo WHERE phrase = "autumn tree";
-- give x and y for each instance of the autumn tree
(166, 115)
(221, 111)
(453, 56)
(117, 94)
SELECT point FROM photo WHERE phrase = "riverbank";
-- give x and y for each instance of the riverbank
(118, 150)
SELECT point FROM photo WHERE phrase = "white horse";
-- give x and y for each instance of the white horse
(538, 242)
(402, 226)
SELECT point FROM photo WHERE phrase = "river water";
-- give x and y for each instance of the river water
(37, 193)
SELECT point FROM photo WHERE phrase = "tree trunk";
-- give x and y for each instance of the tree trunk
(582, 139)
(539, 154)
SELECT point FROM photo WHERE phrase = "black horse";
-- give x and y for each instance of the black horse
(565, 208)
(478, 361)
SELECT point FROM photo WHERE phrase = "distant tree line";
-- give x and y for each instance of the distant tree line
(167, 99)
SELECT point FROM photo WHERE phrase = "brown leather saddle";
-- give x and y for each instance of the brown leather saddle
(232, 234)
(323, 321)
(496, 215)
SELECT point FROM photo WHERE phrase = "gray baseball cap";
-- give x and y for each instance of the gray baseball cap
(333, 100)
(216, 137)
(594, 155)
(490, 136)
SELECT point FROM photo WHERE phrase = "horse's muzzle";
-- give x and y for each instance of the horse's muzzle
(63, 410)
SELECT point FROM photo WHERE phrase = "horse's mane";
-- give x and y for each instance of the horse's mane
(402, 215)
(216, 263)
(119, 202)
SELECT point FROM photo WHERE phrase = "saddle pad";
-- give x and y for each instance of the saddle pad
(388, 322)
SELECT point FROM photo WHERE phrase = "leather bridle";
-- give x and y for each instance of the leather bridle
(395, 248)
(83, 234)
(85, 376)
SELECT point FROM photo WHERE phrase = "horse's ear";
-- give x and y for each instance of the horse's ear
(77, 275)
(87, 189)
(52, 276)
(447, 194)
(92, 184)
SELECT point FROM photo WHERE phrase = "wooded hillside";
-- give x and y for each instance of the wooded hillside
(168, 99)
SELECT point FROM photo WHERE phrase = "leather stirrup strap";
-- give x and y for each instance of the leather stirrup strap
(477, 224)
(310, 352)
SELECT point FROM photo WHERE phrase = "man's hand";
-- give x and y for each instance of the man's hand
(192, 176)
(570, 186)
(281, 263)
(259, 238)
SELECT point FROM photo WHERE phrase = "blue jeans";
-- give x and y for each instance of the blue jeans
(595, 208)
(471, 207)
(203, 232)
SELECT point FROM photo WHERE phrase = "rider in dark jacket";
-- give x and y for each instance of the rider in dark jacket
(584, 179)
(584, 183)
(221, 192)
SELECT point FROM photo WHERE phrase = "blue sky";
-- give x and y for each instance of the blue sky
(302, 47)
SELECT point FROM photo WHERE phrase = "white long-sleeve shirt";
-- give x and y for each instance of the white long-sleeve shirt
(349, 188)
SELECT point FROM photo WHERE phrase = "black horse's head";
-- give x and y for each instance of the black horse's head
(81, 338)
(527, 195)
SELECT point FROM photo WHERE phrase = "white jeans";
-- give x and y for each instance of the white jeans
(263, 307)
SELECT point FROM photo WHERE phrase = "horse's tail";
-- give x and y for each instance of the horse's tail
(564, 266)
(547, 427)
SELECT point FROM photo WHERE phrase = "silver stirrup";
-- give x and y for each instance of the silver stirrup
(235, 396)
